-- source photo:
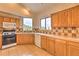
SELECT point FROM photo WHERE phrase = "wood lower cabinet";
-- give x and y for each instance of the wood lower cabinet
(73, 49)
(25, 38)
(43, 42)
(47, 43)
(50, 45)
(60, 47)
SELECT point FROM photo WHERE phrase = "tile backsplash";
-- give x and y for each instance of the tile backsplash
(62, 31)
(70, 32)
(66, 31)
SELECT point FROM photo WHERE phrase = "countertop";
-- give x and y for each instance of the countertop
(53, 36)
(25, 33)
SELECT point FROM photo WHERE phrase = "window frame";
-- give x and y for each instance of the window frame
(45, 23)
(23, 23)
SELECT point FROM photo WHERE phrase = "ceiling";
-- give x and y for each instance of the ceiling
(37, 7)
(41, 7)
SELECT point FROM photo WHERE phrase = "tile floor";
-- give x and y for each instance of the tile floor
(23, 50)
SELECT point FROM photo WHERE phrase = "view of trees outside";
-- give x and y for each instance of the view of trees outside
(43, 24)
(27, 24)
(46, 24)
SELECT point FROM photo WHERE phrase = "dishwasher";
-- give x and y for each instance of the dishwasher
(37, 39)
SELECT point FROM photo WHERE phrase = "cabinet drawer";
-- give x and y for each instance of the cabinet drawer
(73, 43)
(60, 40)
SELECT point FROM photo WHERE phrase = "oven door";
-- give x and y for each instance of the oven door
(9, 39)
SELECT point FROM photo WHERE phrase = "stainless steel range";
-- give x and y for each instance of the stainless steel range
(9, 35)
(9, 38)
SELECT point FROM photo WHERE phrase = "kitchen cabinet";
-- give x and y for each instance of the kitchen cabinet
(43, 42)
(60, 47)
(59, 19)
(7, 19)
(55, 20)
(50, 45)
(17, 22)
(66, 18)
(25, 38)
(75, 16)
(1, 19)
(70, 17)
(13, 20)
(0, 41)
(62, 17)
(47, 43)
(73, 49)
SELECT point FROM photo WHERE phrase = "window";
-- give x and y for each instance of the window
(46, 23)
(42, 24)
(27, 24)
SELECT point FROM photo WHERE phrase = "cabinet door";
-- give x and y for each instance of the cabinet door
(13, 20)
(60, 47)
(50, 45)
(60, 19)
(63, 18)
(55, 21)
(19, 38)
(75, 16)
(43, 42)
(7, 19)
(17, 22)
(70, 17)
(73, 50)
(25, 38)
(1, 19)
(28, 38)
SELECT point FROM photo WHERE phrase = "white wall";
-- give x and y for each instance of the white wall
(48, 12)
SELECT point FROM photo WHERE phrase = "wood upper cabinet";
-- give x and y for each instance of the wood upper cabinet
(1, 19)
(59, 19)
(70, 17)
(60, 47)
(13, 20)
(7, 19)
(62, 16)
(17, 22)
(43, 42)
(50, 45)
(66, 18)
(75, 16)
(73, 49)
(25, 38)
(55, 20)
